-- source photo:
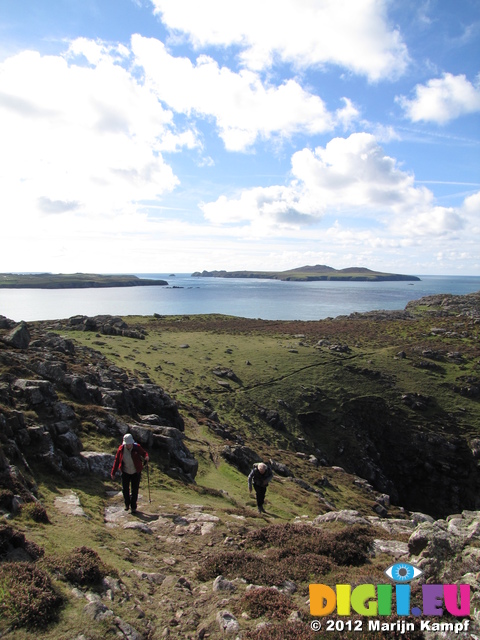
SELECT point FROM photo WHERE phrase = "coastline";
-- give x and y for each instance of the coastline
(73, 281)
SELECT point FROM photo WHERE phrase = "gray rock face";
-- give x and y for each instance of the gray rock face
(35, 423)
(241, 457)
(98, 463)
(35, 392)
(19, 337)
(448, 552)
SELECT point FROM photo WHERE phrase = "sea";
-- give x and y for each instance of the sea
(246, 298)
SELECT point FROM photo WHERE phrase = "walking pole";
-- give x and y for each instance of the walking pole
(148, 481)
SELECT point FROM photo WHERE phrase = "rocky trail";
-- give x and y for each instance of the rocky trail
(163, 593)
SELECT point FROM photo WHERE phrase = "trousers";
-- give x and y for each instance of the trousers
(260, 494)
(130, 481)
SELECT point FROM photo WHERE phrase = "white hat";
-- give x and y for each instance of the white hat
(128, 439)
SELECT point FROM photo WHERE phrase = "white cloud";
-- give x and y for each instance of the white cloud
(442, 99)
(349, 177)
(83, 140)
(353, 35)
(244, 107)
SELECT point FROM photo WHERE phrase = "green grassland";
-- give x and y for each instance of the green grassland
(242, 369)
(310, 273)
(72, 281)
(334, 388)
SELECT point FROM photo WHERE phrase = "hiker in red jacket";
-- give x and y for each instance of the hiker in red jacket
(130, 459)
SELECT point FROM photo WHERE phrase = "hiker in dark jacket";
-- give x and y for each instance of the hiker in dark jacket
(130, 459)
(259, 477)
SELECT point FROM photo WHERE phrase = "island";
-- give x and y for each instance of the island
(310, 273)
(73, 281)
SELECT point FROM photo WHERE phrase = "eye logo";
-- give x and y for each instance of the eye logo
(403, 572)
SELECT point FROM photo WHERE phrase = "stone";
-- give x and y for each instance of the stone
(35, 392)
(240, 456)
(19, 337)
(156, 578)
(227, 622)
(390, 547)
(98, 463)
(139, 526)
(348, 516)
(97, 610)
(222, 584)
(70, 505)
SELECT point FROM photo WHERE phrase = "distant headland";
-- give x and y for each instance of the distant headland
(73, 281)
(311, 273)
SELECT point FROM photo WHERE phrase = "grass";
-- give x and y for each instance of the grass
(72, 280)
(278, 366)
(331, 404)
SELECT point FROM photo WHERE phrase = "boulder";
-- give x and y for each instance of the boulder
(170, 440)
(348, 516)
(35, 392)
(98, 463)
(241, 457)
(19, 337)
(228, 623)
(6, 323)
(222, 584)
(70, 443)
(280, 469)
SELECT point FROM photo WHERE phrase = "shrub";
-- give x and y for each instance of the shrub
(12, 539)
(349, 546)
(6, 499)
(226, 563)
(82, 567)
(297, 630)
(36, 512)
(291, 552)
(267, 602)
(302, 631)
(279, 535)
(305, 566)
(27, 597)
(234, 564)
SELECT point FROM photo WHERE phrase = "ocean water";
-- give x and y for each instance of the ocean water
(248, 298)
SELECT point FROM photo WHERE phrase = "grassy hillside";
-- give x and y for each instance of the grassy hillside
(351, 390)
(71, 281)
(357, 409)
(310, 273)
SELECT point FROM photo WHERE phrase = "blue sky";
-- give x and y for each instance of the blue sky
(181, 135)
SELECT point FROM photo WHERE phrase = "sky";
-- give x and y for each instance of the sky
(158, 136)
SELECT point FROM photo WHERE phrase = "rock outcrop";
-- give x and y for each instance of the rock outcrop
(52, 392)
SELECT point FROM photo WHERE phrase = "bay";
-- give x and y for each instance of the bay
(248, 298)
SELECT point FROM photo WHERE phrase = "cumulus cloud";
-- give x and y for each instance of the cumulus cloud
(84, 136)
(353, 35)
(348, 176)
(442, 99)
(245, 108)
